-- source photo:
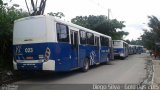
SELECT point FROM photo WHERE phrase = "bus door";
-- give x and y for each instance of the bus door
(97, 51)
(75, 48)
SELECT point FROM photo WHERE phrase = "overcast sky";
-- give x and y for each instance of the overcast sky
(133, 12)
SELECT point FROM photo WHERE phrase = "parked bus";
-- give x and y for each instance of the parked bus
(139, 49)
(134, 49)
(120, 48)
(45, 43)
(130, 49)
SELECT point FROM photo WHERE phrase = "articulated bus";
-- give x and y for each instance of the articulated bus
(120, 48)
(45, 43)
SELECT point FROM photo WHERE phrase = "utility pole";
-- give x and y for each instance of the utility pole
(109, 13)
(109, 18)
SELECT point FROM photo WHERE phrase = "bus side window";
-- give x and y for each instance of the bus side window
(82, 37)
(107, 42)
(62, 33)
(90, 38)
(96, 42)
(104, 41)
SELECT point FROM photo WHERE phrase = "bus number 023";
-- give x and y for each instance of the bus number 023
(28, 50)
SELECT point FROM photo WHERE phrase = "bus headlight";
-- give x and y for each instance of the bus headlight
(47, 54)
(121, 54)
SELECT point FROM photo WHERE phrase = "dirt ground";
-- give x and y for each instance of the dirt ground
(156, 72)
(156, 66)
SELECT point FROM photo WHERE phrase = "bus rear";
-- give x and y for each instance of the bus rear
(30, 49)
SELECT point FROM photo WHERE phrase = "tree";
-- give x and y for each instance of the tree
(152, 36)
(36, 10)
(58, 14)
(128, 41)
(101, 24)
(136, 42)
(154, 24)
(7, 17)
(148, 39)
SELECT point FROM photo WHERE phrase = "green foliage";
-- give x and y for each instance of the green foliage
(58, 14)
(101, 24)
(128, 41)
(136, 42)
(151, 37)
(148, 39)
(7, 17)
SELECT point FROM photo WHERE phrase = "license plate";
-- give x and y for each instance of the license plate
(29, 58)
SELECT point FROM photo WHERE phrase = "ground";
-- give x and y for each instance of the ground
(156, 73)
(132, 70)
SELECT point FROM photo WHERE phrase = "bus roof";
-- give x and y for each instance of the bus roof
(63, 22)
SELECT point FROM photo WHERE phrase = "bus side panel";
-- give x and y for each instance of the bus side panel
(93, 54)
(82, 54)
(61, 53)
(104, 54)
(89, 52)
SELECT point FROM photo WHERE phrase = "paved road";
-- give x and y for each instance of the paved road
(131, 70)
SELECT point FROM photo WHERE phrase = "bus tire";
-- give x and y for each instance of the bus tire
(85, 67)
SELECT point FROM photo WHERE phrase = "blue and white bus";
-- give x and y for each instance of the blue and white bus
(120, 48)
(130, 49)
(139, 49)
(134, 49)
(45, 43)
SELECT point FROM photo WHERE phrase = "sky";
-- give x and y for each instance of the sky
(133, 12)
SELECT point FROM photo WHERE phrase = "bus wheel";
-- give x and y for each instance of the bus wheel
(85, 65)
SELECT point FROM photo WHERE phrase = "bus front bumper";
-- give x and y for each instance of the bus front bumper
(118, 54)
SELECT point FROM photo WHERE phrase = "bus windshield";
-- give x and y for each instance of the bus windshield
(116, 43)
